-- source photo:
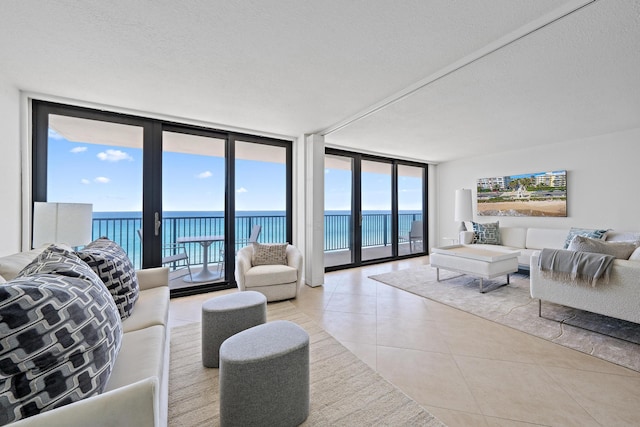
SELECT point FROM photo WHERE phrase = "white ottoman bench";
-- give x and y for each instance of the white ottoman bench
(476, 261)
(264, 376)
(227, 315)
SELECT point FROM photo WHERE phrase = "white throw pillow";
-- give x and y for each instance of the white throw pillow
(620, 250)
(635, 256)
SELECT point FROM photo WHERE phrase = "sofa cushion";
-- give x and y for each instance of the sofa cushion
(152, 308)
(488, 233)
(266, 275)
(115, 269)
(623, 236)
(586, 232)
(515, 237)
(141, 356)
(60, 337)
(540, 238)
(620, 250)
(268, 254)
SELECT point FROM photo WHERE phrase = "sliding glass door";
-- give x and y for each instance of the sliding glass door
(97, 162)
(411, 227)
(261, 195)
(165, 192)
(193, 204)
(374, 209)
(339, 224)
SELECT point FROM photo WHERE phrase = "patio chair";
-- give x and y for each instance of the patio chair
(177, 253)
(415, 234)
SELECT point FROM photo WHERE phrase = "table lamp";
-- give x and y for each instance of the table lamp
(463, 210)
(68, 223)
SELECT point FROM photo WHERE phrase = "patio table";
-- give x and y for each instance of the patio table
(204, 275)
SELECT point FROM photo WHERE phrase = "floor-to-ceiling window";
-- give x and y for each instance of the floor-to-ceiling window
(193, 203)
(261, 193)
(160, 189)
(374, 209)
(411, 227)
(339, 223)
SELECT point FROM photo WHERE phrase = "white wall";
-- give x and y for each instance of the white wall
(10, 160)
(601, 176)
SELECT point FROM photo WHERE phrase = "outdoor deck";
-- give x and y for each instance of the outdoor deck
(332, 258)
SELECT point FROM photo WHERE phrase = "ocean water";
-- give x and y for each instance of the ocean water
(122, 227)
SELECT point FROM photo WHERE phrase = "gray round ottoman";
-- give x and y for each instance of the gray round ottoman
(264, 376)
(227, 315)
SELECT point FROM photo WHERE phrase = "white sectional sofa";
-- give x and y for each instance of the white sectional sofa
(136, 393)
(525, 240)
(619, 298)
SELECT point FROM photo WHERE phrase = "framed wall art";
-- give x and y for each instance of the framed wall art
(530, 194)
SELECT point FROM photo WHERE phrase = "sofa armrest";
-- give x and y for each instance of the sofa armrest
(153, 277)
(131, 405)
(294, 259)
(466, 237)
(243, 264)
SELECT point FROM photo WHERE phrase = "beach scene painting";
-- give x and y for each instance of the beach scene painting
(531, 194)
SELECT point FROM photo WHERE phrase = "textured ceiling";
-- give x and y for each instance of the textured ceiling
(294, 67)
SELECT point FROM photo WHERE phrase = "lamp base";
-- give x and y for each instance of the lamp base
(462, 227)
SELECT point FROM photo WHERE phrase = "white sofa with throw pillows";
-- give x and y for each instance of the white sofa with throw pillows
(615, 294)
(85, 339)
(273, 269)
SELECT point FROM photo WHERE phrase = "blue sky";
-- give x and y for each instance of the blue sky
(110, 177)
(376, 191)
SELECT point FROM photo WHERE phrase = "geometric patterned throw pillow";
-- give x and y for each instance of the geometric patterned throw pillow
(269, 254)
(488, 233)
(584, 232)
(59, 260)
(114, 267)
(60, 335)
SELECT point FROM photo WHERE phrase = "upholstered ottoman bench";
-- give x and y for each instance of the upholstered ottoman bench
(264, 376)
(227, 315)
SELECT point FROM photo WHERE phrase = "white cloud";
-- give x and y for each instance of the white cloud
(205, 174)
(85, 181)
(54, 135)
(114, 156)
(78, 149)
(102, 179)
(242, 190)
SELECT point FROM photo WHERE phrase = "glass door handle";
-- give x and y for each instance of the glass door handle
(158, 223)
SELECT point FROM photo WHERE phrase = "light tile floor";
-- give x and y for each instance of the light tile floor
(465, 370)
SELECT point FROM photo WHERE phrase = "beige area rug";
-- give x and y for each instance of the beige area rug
(344, 390)
(513, 306)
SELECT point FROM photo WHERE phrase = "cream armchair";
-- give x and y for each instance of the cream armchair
(277, 282)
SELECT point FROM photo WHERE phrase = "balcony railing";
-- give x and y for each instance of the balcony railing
(338, 235)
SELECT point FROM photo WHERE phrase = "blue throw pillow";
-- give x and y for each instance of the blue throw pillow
(486, 233)
(584, 232)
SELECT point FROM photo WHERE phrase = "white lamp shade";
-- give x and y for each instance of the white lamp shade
(463, 208)
(68, 223)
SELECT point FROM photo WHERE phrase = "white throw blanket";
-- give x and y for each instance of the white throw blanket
(572, 266)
